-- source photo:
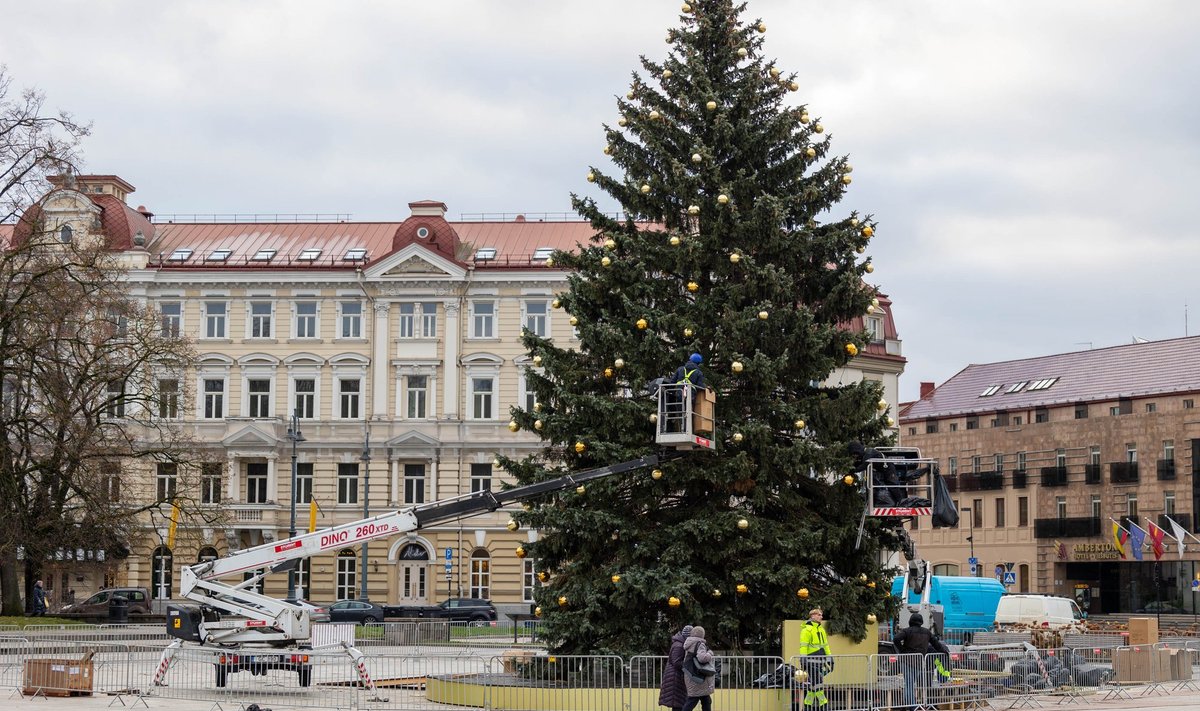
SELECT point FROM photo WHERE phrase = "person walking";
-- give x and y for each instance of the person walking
(816, 658)
(673, 693)
(699, 689)
(912, 640)
(39, 599)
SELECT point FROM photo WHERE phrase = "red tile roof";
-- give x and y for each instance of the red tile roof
(1134, 370)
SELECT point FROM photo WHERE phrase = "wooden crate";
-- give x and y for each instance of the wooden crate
(58, 677)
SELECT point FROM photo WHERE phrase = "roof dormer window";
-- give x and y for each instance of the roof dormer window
(66, 234)
(1015, 387)
(356, 254)
(991, 390)
(180, 255)
(541, 254)
(219, 255)
(422, 232)
(263, 255)
(483, 254)
(1043, 384)
(309, 255)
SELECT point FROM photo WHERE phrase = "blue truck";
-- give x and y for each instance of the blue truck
(967, 604)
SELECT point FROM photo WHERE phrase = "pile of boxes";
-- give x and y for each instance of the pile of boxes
(1143, 663)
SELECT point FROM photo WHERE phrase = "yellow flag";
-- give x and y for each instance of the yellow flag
(174, 525)
(312, 515)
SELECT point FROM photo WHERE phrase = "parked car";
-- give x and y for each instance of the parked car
(1166, 608)
(316, 613)
(138, 600)
(360, 611)
(456, 609)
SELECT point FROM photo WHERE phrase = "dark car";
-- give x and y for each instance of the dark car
(360, 611)
(1165, 608)
(469, 609)
(138, 600)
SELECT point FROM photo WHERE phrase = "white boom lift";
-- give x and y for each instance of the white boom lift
(268, 633)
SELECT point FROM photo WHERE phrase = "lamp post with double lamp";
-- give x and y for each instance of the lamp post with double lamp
(971, 535)
(366, 469)
(293, 434)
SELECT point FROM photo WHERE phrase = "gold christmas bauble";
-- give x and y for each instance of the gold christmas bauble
(716, 592)
(608, 150)
(846, 180)
(854, 222)
(763, 315)
(793, 86)
(743, 524)
(622, 122)
(870, 309)
(693, 286)
(573, 321)
(736, 366)
(538, 610)
(881, 405)
(891, 422)
(868, 231)
(687, 333)
(673, 601)
(818, 128)
(848, 480)
(537, 424)
(520, 551)
(871, 619)
(580, 447)
(512, 525)
(654, 115)
(606, 261)
(549, 262)
(562, 600)
(696, 158)
(723, 199)
(591, 177)
(556, 304)
(674, 241)
(800, 676)
(537, 360)
(802, 593)
(762, 27)
(513, 426)
(543, 576)
(653, 417)
(869, 268)
(619, 363)
(693, 209)
(610, 243)
(735, 257)
(615, 578)
(860, 249)
(711, 106)
(645, 189)
(799, 424)
(742, 588)
(685, 8)
(537, 407)
(871, 584)
(742, 52)
(847, 168)
(656, 474)
(875, 302)
(581, 490)
(642, 324)
(810, 152)
(862, 577)
(774, 72)
(667, 74)
(851, 349)
(737, 437)
(804, 117)
(608, 372)
(629, 95)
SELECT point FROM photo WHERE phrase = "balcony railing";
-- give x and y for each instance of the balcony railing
(1020, 479)
(1054, 476)
(952, 483)
(1166, 469)
(1091, 474)
(991, 481)
(1183, 519)
(1066, 527)
(1123, 472)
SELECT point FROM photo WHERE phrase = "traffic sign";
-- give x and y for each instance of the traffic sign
(973, 560)
(449, 553)
(999, 570)
(974, 570)
(1010, 578)
(1196, 586)
(1009, 566)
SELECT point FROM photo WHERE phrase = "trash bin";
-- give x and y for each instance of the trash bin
(118, 609)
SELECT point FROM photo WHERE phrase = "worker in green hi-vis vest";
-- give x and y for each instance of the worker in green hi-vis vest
(817, 659)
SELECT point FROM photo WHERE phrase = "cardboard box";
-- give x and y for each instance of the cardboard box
(1143, 664)
(58, 677)
(702, 415)
(1180, 664)
(1143, 630)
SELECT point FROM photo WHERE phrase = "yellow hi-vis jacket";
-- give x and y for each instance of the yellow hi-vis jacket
(813, 638)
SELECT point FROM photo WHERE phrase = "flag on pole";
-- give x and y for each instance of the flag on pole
(1156, 535)
(1178, 532)
(1137, 539)
(312, 515)
(1120, 536)
(174, 524)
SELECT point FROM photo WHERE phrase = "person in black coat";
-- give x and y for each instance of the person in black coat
(39, 599)
(914, 639)
(673, 693)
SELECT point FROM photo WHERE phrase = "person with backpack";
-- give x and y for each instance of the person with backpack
(672, 693)
(700, 686)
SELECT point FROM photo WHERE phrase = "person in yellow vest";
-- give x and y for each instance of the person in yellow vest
(817, 659)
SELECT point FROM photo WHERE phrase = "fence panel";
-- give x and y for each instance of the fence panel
(560, 682)
(423, 681)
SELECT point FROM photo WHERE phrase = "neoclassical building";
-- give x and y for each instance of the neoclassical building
(396, 344)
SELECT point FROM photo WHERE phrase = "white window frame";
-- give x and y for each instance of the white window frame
(529, 320)
(249, 398)
(346, 495)
(211, 485)
(339, 392)
(414, 486)
(202, 401)
(410, 392)
(481, 574)
(293, 394)
(483, 326)
(345, 319)
(475, 380)
(347, 577)
(170, 325)
(315, 316)
(529, 581)
(167, 407)
(303, 492)
(261, 481)
(264, 323)
(207, 320)
(526, 398)
(874, 328)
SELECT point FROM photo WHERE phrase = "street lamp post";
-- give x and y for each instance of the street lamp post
(971, 534)
(366, 467)
(294, 435)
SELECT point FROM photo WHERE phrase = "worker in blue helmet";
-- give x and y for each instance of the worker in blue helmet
(690, 372)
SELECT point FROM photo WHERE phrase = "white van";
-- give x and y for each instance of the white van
(1038, 611)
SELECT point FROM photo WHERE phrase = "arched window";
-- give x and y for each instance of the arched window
(206, 554)
(66, 233)
(945, 569)
(1023, 577)
(162, 562)
(347, 575)
(481, 574)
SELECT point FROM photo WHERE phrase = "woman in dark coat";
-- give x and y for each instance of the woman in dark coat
(672, 692)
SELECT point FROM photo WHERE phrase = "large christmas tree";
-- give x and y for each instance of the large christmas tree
(731, 250)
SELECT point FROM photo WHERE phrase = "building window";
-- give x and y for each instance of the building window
(481, 574)
(305, 393)
(977, 464)
(972, 423)
(1096, 506)
(110, 482)
(1060, 507)
(304, 482)
(536, 313)
(1060, 458)
(1168, 453)
(1016, 420)
(166, 481)
(952, 466)
(347, 485)
(1041, 415)
(214, 398)
(114, 406)
(931, 427)
(210, 482)
(1151, 407)
(172, 318)
(1189, 404)
(1022, 459)
(258, 391)
(418, 320)
(1169, 503)
(260, 319)
(1131, 452)
(998, 463)
(977, 513)
(912, 431)
(1081, 410)
(999, 513)
(1094, 456)
(416, 389)
(214, 319)
(1114, 411)
(168, 398)
(482, 398)
(483, 319)
(306, 319)
(950, 569)
(954, 427)
(348, 398)
(256, 482)
(347, 576)
(529, 581)
(1023, 511)
(528, 396)
(65, 234)
(481, 477)
(351, 319)
(875, 329)
(303, 577)
(1131, 505)
(414, 483)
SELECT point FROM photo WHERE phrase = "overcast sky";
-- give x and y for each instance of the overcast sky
(1033, 164)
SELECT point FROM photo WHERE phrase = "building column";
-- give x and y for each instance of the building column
(231, 478)
(397, 495)
(450, 380)
(379, 362)
(272, 479)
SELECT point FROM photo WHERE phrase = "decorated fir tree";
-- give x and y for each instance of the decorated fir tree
(733, 249)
